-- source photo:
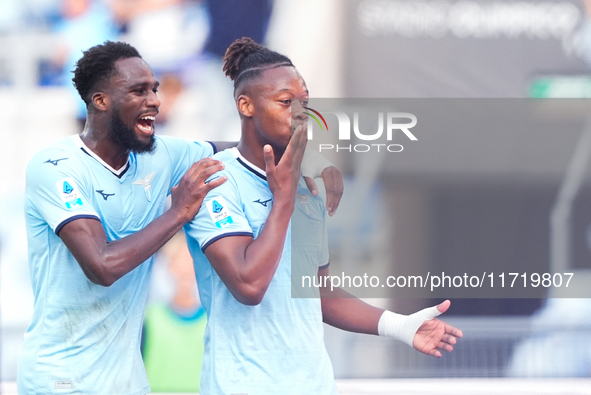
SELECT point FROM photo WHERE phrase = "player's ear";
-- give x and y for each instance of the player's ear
(245, 105)
(100, 101)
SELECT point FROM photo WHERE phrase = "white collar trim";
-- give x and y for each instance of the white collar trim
(237, 155)
(78, 141)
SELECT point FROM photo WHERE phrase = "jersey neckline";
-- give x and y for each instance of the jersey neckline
(80, 144)
(248, 165)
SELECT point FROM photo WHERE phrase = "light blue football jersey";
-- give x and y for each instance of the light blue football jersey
(85, 338)
(309, 240)
(276, 347)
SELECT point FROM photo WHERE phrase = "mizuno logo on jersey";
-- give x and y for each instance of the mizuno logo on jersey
(219, 212)
(63, 384)
(147, 186)
(263, 203)
(103, 194)
(69, 193)
(54, 161)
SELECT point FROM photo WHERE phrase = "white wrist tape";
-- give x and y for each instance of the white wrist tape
(404, 327)
(313, 163)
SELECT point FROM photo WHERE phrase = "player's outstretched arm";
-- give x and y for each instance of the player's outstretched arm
(247, 265)
(104, 262)
(420, 330)
(344, 311)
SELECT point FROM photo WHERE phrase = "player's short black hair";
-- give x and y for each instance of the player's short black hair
(97, 65)
(246, 59)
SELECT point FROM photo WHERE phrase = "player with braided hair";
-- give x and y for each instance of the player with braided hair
(246, 59)
(259, 339)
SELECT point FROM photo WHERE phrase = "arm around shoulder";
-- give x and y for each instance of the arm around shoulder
(104, 261)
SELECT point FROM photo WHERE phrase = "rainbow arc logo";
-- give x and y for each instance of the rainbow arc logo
(315, 118)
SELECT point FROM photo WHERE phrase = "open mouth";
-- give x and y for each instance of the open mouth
(146, 123)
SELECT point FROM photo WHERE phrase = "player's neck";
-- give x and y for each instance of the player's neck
(253, 152)
(99, 142)
(251, 145)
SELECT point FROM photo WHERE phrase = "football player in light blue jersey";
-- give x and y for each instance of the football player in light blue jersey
(95, 212)
(95, 207)
(259, 340)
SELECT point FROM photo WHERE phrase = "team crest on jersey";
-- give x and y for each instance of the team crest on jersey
(69, 192)
(147, 186)
(219, 212)
(304, 201)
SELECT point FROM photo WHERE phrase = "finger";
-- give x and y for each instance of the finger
(435, 353)
(303, 140)
(208, 172)
(297, 133)
(286, 158)
(428, 313)
(452, 330)
(197, 168)
(448, 339)
(445, 346)
(269, 158)
(311, 184)
(203, 163)
(332, 202)
(443, 306)
(296, 140)
(216, 182)
(206, 162)
(301, 135)
(298, 143)
(333, 180)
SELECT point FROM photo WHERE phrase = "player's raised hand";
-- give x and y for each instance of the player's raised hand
(188, 195)
(278, 177)
(435, 335)
(298, 142)
(284, 176)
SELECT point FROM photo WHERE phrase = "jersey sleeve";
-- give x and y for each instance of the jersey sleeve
(309, 227)
(183, 153)
(324, 256)
(221, 215)
(58, 193)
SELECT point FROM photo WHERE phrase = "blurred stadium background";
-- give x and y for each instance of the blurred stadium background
(489, 201)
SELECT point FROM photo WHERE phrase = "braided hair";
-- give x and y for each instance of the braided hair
(97, 65)
(245, 60)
